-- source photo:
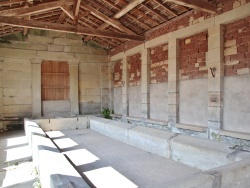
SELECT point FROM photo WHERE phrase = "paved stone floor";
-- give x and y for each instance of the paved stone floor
(110, 163)
(16, 168)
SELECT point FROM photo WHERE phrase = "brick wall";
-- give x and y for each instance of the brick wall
(190, 18)
(193, 56)
(134, 67)
(117, 75)
(237, 47)
(159, 64)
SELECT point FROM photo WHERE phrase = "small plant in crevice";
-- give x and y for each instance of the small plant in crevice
(216, 136)
(106, 113)
(37, 184)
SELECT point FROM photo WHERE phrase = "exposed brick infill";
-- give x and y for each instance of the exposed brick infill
(117, 75)
(237, 47)
(159, 64)
(134, 66)
(193, 56)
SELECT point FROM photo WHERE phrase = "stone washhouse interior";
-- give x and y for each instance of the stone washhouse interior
(125, 93)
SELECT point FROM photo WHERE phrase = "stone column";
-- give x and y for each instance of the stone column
(215, 66)
(36, 88)
(74, 102)
(145, 87)
(173, 82)
(125, 103)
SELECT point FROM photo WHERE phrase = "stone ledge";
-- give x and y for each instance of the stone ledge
(191, 127)
(239, 135)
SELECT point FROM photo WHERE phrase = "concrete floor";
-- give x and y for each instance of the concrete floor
(16, 168)
(110, 163)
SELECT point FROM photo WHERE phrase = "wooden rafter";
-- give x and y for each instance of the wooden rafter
(199, 4)
(62, 17)
(66, 28)
(128, 8)
(106, 19)
(37, 9)
(67, 11)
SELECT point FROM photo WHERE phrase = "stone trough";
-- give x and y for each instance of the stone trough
(211, 157)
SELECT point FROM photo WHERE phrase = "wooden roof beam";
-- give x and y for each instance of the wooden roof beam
(67, 28)
(106, 19)
(128, 14)
(37, 9)
(196, 4)
(128, 8)
(76, 10)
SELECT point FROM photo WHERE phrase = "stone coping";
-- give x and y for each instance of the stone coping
(243, 136)
(191, 127)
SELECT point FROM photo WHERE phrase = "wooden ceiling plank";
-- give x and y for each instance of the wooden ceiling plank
(106, 19)
(166, 7)
(67, 28)
(37, 9)
(67, 11)
(6, 3)
(154, 11)
(128, 8)
(196, 4)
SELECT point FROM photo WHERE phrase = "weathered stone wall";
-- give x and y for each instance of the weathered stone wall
(159, 101)
(193, 102)
(17, 53)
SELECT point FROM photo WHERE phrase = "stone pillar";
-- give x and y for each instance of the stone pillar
(36, 88)
(111, 85)
(1, 92)
(145, 87)
(215, 66)
(173, 82)
(104, 83)
(125, 103)
(73, 71)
